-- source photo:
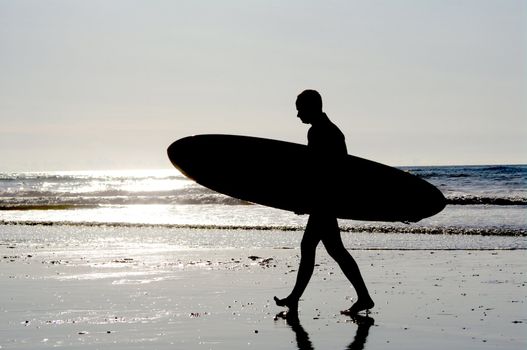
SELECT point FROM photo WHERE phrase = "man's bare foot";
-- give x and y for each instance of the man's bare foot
(292, 305)
(360, 305)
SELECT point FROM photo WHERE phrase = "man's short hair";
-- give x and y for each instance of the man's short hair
(310, 99)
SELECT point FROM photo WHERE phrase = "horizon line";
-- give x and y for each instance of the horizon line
(173, 168)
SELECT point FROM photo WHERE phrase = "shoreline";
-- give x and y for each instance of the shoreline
(374, 228)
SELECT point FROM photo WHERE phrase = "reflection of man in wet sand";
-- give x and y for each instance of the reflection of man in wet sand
(326, 142)
(302, 337)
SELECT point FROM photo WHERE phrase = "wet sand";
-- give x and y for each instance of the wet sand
(100, 288)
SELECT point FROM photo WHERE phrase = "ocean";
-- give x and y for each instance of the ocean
(482, 200)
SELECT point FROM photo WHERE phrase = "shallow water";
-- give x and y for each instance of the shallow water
(486, 200)
(155, 239)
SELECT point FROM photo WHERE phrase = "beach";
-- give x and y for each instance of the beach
(152, 260)
(96, 287)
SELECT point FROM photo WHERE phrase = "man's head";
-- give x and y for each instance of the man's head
(309, 106)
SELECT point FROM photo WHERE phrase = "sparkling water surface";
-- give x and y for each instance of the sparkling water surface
(483, 200)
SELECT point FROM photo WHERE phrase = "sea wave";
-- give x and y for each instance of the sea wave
(40, 199)
(484, 172)
(379, 229)
(52, 200)
(477, 200)
(71, 201)
(47, 207)
(436, 174)
(86, 177)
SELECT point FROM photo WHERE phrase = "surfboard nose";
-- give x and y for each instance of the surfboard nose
(437, 202)
(431, 199)
(441, 201)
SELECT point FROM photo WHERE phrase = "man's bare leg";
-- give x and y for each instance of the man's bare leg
(308, 248)
(333, 244)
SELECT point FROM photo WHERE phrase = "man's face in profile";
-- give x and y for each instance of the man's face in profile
(304, 112)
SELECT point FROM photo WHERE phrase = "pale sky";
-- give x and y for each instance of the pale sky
(110, 84)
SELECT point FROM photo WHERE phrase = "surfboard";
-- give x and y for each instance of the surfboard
(287, 176)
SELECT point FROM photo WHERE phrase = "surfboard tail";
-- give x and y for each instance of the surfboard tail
(180, 157)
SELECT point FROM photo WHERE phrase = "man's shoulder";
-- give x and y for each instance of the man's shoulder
(325, 127)
(333, 128)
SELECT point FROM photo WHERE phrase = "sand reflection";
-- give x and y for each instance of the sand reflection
(302, 337)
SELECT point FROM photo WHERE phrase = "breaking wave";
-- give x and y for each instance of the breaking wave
(47, 200)
(477, 200)
(384, 229)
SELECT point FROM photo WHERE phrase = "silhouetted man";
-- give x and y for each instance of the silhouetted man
(327, 146)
